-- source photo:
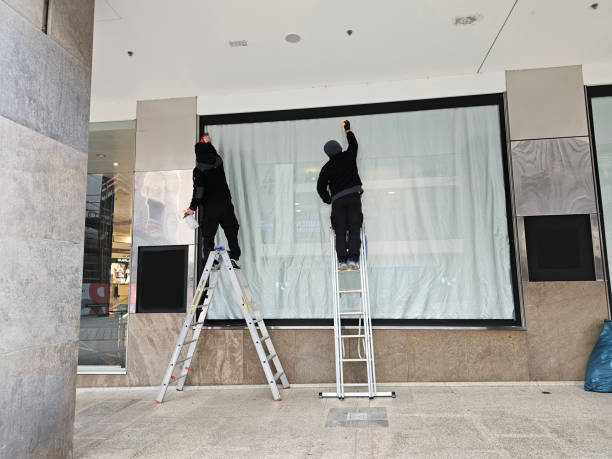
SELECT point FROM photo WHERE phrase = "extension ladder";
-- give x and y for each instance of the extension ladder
(219, 260)
(363, 332)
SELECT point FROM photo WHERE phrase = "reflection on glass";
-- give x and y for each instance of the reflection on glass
(106, 270)
(108, 241)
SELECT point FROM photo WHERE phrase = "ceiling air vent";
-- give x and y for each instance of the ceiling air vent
(467, 20)
(238, 43)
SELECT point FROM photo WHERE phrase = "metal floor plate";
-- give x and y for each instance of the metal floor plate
(357, 417)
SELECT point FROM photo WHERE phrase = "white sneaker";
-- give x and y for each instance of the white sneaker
(342, 266)
(354, 265)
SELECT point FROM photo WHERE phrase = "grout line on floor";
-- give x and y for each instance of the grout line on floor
(307, 386)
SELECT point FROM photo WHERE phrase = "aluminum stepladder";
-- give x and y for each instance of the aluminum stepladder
(363, 332)
(252, 316)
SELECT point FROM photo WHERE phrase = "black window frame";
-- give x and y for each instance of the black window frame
(347, 111)
(593, 92)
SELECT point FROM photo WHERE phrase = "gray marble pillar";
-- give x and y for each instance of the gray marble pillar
(44, 116)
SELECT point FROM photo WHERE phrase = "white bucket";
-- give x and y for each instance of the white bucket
(191, 221)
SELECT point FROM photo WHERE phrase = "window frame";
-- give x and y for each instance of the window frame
(593, 92)
(497, 99)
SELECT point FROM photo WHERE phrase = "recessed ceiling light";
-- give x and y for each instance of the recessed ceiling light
(293, 38)
(100, 155)
(115, 164)
(467, 20)
(238, 43)
(298, 210)
(390, 192)
(297, 203)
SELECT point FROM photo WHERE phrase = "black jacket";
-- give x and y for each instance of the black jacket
(209, 181)
(340, 173)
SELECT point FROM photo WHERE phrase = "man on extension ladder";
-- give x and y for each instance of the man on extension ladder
(339, 185)
(212, 196)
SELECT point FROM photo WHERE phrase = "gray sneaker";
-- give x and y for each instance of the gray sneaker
(354, 265)
(235, 264)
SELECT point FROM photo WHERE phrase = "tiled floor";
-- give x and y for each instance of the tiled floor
(423, 421)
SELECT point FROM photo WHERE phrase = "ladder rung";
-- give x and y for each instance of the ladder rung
(258, 320)
(352, 336)
(278, 375)
(271, 356)
(188, 342)
(183, 360)
(354, 360)
(195, 324)
(264, 337)
(343, 292)
(361, 384)
(356, 313)
(174, 379)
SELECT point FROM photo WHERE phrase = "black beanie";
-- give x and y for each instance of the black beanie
(205, 153)
(332, 148)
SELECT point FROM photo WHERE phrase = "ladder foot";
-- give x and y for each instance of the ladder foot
(288, 387)
(320, 394)
(277, 399)
(158, 402)
(179, 390)
(393, 394)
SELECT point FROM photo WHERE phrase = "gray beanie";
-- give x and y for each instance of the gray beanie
(332, 148)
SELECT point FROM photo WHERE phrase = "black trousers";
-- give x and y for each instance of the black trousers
(212, 214)
(346, 219)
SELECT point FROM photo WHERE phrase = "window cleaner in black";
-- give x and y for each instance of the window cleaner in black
(213, 200)
(339, 185)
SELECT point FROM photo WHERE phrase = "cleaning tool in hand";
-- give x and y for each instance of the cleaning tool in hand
(190, 220)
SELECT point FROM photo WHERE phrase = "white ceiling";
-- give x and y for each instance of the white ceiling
(181, 47)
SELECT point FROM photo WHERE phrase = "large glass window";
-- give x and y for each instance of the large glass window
(108, 237)
(601, 116)
(434, 206)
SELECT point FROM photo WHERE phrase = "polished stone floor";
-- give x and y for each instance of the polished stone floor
(454, 420)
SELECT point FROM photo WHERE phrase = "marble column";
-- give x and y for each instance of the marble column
(45, 74)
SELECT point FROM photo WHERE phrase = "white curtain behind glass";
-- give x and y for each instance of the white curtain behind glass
(602, 127)
(434, 211)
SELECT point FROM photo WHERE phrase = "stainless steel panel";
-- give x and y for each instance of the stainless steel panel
(546, 103)
(522, 245)
(166, 131)
(159, 201)
(553, 177)
(597, 255)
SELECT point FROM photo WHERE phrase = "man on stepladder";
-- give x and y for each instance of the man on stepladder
(339, 185)
(212, 196)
